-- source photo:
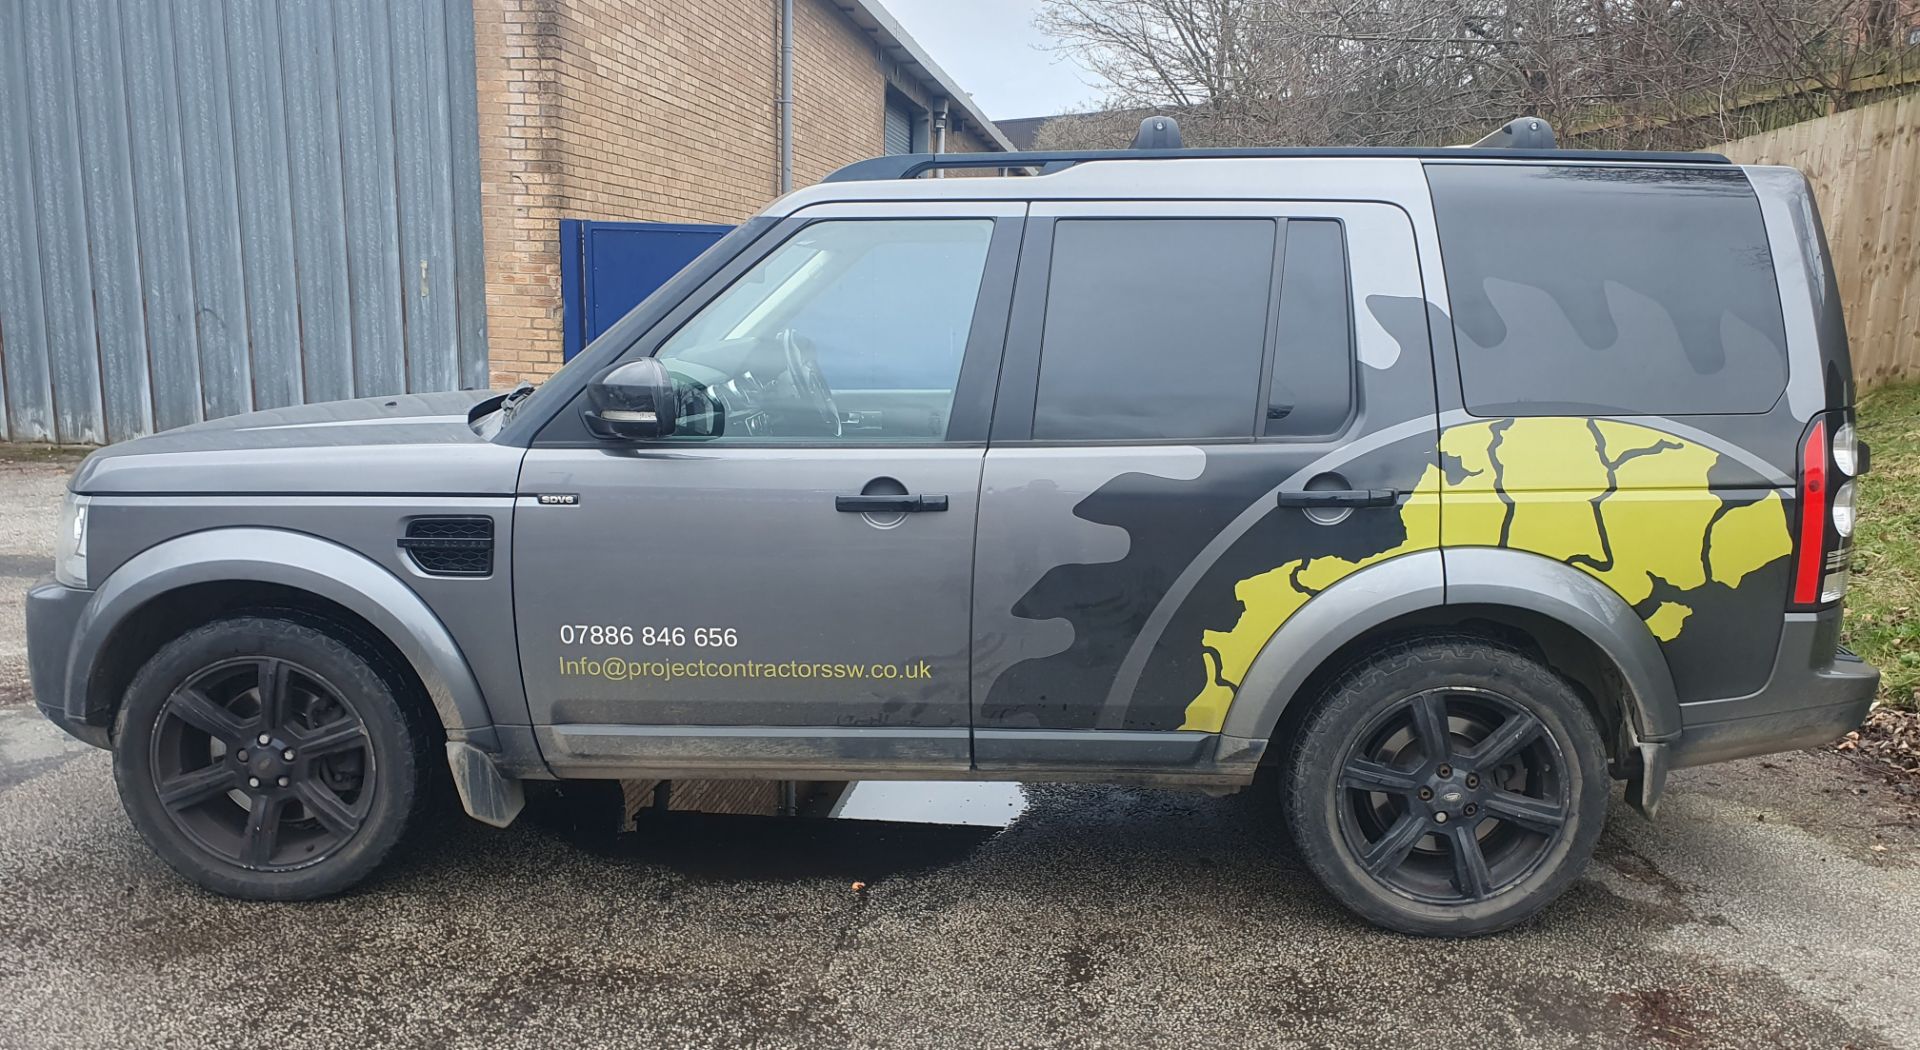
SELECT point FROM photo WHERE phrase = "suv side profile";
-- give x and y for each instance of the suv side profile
(1448, 485)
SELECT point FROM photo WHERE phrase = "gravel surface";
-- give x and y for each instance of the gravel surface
(31, 484)
(1772, 905)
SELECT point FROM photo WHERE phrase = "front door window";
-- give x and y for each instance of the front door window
(853, 330)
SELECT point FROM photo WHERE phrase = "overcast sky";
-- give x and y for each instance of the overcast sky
(992, 50)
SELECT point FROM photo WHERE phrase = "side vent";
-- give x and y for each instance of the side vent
(450, 546)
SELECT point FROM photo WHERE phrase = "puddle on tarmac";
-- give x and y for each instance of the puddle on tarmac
(871, 831)
(980, 804)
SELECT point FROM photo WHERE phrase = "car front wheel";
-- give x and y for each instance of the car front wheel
(1449, 786)
(265, 758)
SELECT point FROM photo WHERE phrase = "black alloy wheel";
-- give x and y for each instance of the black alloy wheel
(272, 756)
(1453, 795)
(262, 762)
(1446, 785)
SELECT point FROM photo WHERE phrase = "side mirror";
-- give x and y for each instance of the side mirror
(631, 403)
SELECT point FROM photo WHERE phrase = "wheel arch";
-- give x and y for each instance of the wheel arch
(178, 584)
(1572, 620)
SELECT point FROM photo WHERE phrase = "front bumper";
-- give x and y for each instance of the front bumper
(53, 619)
(1817, 693)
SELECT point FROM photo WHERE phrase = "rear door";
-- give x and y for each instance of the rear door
(1209, 412)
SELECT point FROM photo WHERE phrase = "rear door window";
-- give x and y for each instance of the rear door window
(1155, 329)
(1625, 290)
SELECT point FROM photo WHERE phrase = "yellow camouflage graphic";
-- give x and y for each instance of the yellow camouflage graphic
(1625, 503)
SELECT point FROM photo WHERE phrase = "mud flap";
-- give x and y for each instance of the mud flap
(487, 795)
(1649, 782)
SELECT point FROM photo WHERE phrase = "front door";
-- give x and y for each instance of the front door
(783, 582)
(1208, 382)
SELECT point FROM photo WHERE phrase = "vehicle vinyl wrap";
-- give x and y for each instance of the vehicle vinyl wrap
(1631, 505)
(1690, 537)
(1100, 565)
(1684, 517)
(1153, 574)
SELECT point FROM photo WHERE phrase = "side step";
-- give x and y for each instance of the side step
(489, 796)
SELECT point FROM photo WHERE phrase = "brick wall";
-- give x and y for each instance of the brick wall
(651, 111)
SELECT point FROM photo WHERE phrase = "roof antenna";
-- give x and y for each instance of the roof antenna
(1157, 133)
(1520, 133)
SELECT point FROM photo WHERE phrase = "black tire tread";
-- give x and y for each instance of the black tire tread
(1363, 684)
(381, 691)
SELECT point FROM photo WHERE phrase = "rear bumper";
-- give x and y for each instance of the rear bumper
(53, 619)
(1816, 693)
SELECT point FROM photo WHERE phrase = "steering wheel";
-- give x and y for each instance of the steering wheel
(803, 370)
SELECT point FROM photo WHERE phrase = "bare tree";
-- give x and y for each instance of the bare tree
(1313, 72)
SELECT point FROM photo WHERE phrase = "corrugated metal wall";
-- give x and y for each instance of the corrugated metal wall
(208, 207)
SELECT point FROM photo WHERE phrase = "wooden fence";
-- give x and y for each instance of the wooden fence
(1865, 168)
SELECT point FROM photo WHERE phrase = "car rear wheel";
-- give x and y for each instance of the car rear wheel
(265, 758)
(1448, 786)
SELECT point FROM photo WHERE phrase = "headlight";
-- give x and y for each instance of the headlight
(70, 547)
(1843, 509)
(1846, 450)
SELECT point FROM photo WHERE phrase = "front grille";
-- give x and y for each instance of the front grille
(450, 546)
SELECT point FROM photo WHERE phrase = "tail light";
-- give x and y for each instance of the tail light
(1846, 450)
(1825, 540)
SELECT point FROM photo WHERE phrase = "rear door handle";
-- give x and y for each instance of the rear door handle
(1341, 498)
(889, 504)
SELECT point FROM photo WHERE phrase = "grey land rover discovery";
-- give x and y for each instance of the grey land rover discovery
(1449, 485)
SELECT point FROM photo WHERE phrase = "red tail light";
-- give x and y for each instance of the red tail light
(1813, 516)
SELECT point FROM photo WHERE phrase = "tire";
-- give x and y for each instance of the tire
(312, 812)
(1391, 822)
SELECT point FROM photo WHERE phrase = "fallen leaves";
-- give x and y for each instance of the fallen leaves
(1890, 737)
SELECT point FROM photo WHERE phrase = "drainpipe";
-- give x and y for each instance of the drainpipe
(940, 139)
(785, 102)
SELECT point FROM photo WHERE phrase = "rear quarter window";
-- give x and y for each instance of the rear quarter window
(1619, 290)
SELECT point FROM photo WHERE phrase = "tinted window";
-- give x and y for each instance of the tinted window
(1155, 328)
(851, 330)
(1312, 387)
(1628, 290)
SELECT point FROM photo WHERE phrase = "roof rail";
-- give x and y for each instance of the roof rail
(912, 165)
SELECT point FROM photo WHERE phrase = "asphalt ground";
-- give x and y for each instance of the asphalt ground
(1775, 903)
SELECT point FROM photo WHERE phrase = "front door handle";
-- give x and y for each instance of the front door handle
(1341, 498)
(889, 504)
